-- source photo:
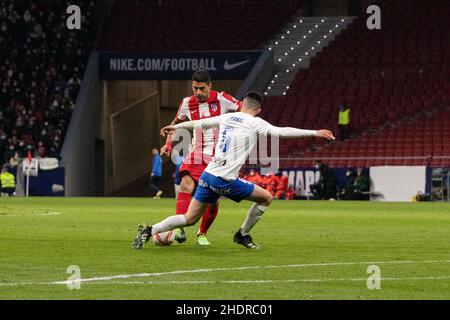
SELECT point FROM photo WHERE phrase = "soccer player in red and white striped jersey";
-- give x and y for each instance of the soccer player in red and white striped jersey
(204, 103)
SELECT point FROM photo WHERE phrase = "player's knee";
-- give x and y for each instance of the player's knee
(268, 198)
(186, 189)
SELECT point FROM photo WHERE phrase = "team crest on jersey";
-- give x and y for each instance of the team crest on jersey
(213, 107)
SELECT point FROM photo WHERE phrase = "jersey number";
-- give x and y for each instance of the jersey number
(225, 140)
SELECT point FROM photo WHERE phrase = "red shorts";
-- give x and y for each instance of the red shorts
(193, 170)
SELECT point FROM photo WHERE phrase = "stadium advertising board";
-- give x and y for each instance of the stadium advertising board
(176, 65)
(301, 179)
(394, 183)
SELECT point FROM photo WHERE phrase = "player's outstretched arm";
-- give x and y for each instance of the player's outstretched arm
(288, 132)
(167, 130)
(166, 148)
(200, 124)
(327, 134)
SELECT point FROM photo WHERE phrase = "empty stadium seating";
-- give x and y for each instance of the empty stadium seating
(385, 76)
(419, 142)
(148, 25)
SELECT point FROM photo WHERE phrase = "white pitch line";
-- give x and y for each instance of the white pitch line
(31, 214)
(304, 265)
(176, 272)
(273, 281)
(233, 281)
(48, 214)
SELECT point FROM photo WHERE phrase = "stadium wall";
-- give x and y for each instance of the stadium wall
(399, 183)
(78, 155)
(130, 128)
(259, 75)
(388, 183)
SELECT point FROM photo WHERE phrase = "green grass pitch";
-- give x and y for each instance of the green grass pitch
(309, 250)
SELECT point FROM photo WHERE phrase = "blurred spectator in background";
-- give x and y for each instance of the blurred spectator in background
(282, 186)
(41, 152)
(8, 183)
(348, 191)
(325, 188)
(290, 193)
(14, 161)
(176, 175)
(254, 177)
(277, 185)
(270, 183)
(263, 181)
(362, 185)
(155, 175)
(9, 153)
(344, 120)
(41, 65)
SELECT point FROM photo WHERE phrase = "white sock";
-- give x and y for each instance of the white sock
(254, 214)
(170, 223)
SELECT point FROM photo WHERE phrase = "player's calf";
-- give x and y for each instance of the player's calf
(195, 212)
(184, 197)
(262, 199)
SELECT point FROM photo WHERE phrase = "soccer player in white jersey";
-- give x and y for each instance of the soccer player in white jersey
(238, 133)
(204, 103)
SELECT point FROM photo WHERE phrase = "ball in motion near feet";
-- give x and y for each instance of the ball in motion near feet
(164, 238)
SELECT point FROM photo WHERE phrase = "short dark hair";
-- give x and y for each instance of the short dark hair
(201, 76)
(256, 98)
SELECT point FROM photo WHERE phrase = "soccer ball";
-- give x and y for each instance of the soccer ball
(164, 238)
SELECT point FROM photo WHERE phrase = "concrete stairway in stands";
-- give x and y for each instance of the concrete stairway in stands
(296, 43)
